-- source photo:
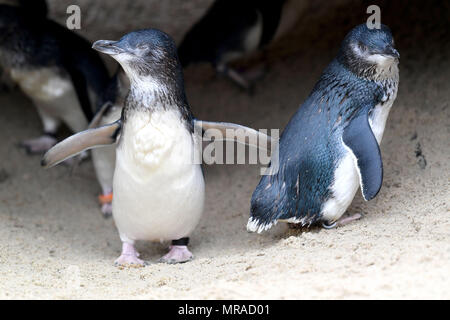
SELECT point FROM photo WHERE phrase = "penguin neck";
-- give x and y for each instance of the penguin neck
(149, 93)
(373, 68)
(374, 71)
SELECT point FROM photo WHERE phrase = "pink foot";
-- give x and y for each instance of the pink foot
(177, 254)
(343, 221)
(129, 257)
(39, 145)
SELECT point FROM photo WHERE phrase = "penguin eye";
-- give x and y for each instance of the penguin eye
(362, 46)
(142, 47)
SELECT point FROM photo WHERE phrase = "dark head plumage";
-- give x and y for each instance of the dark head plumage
(364, 49)
(149, 58)
(146, 46)
(145, 53)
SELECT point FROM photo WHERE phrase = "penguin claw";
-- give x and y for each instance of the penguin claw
(329, 226)
(342, 221)
(129, 260)
(177, 254)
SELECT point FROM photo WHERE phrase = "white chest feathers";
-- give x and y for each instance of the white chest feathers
(379, 114)
(346, 177)
(153, 140)
(42, 84)
(343, 189)
(158, 191)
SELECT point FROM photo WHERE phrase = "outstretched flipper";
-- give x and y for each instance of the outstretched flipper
(237, 133)
(359, 138)
(80, 142)
(93, 124)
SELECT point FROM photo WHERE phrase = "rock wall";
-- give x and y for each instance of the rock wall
(110, 19)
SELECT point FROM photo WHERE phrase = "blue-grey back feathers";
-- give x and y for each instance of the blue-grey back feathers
(311, 145)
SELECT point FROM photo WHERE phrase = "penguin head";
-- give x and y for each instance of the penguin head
(147, 56)
(365, 49)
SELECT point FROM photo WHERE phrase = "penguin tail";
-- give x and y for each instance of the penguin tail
(266, 205)
(256, 225)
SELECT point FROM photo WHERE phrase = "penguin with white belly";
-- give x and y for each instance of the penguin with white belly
(53, 66)
(159, 190)
(331, 146)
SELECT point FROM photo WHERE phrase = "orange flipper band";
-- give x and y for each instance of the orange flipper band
(105, 198)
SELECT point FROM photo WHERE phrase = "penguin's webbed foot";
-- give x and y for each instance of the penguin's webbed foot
(39, 145)
(106, 210)
(236, 77)
(129, 257)
(239, 80)
(177, 254)
(342, 221)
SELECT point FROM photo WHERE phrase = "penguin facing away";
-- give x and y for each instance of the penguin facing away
(158, 190)
(54, 67)
(229, 30)
(330, 147)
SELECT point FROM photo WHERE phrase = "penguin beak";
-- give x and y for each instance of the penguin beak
(108, 47)
(391, 51)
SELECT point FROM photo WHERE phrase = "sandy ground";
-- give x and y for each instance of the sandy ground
(54, 243)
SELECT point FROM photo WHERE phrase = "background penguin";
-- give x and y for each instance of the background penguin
(229, 30)
(158, 189)
(331, 145)
(38, 7)
(54, 67)
(104, 159)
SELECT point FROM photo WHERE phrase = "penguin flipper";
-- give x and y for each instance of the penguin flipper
(80, 142)
(93, 124)
(236, 133)
(98, 116)
(359, 138)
